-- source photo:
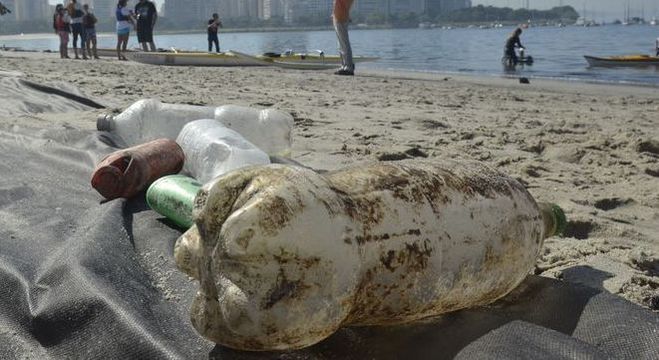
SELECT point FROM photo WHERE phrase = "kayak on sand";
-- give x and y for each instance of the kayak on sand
(192, 59)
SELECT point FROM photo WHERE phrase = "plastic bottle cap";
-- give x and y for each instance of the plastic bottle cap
(105, 122)
(108, 182)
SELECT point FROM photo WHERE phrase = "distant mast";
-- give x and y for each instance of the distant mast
(625, 20)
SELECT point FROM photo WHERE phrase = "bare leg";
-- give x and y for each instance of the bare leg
(61, 48)
(65, 49)
(345, 49)
(94, 48)
(143, 46)
(124, 44)
(152, 46)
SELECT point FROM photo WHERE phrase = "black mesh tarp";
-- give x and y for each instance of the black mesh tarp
(84, 279)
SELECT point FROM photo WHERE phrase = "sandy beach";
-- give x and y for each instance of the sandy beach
(591, 148)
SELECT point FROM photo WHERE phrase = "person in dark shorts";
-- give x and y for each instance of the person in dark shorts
(89, 25)
(213, 24)
(147, 15)
(513, 42)
(76, 13)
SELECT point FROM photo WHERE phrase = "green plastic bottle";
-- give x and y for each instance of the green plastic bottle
(173, 197)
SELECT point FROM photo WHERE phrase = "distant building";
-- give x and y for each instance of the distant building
(272, 8)
(190, 12)
(294, 10)
(196, 11)
(401, 7)
(435, 7)
(28, 10)
(104, 9)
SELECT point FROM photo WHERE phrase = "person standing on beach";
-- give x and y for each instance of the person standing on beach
(146, 20)
(213, 24)
(89, 26)
(76, 13)
(61, 22)
(656, 45)
(124, 23)
(341, 19)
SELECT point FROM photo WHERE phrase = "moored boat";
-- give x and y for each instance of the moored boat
(292, 64)
(318, 58)
(626, 60)
(298, 61)
(192, 59)
(107, 52)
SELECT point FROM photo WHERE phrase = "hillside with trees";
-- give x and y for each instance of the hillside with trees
(482, 13)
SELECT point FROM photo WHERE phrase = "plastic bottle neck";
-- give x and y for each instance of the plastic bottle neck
(554, 219)
(105, 122)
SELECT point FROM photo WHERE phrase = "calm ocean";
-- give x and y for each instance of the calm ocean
(558, 51)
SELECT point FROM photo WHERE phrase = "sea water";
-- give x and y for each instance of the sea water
(558, 51)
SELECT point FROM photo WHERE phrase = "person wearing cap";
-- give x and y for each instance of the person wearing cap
(341, 19)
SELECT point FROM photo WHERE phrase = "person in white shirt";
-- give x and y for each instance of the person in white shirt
(124, 23)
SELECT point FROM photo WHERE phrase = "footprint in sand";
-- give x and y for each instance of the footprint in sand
(612, 203)
(579, 229)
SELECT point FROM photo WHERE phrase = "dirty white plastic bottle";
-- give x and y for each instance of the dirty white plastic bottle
(150, 119)
(211, 149)
(285, 256)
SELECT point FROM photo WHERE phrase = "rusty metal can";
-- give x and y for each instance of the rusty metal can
(126, 172)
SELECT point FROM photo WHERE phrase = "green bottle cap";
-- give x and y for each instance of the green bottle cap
(560, 220)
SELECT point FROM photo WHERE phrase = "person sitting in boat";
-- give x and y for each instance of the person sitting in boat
(513, 42)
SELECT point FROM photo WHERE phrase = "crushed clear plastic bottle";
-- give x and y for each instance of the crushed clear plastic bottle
(150, 119)
(211, 149)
